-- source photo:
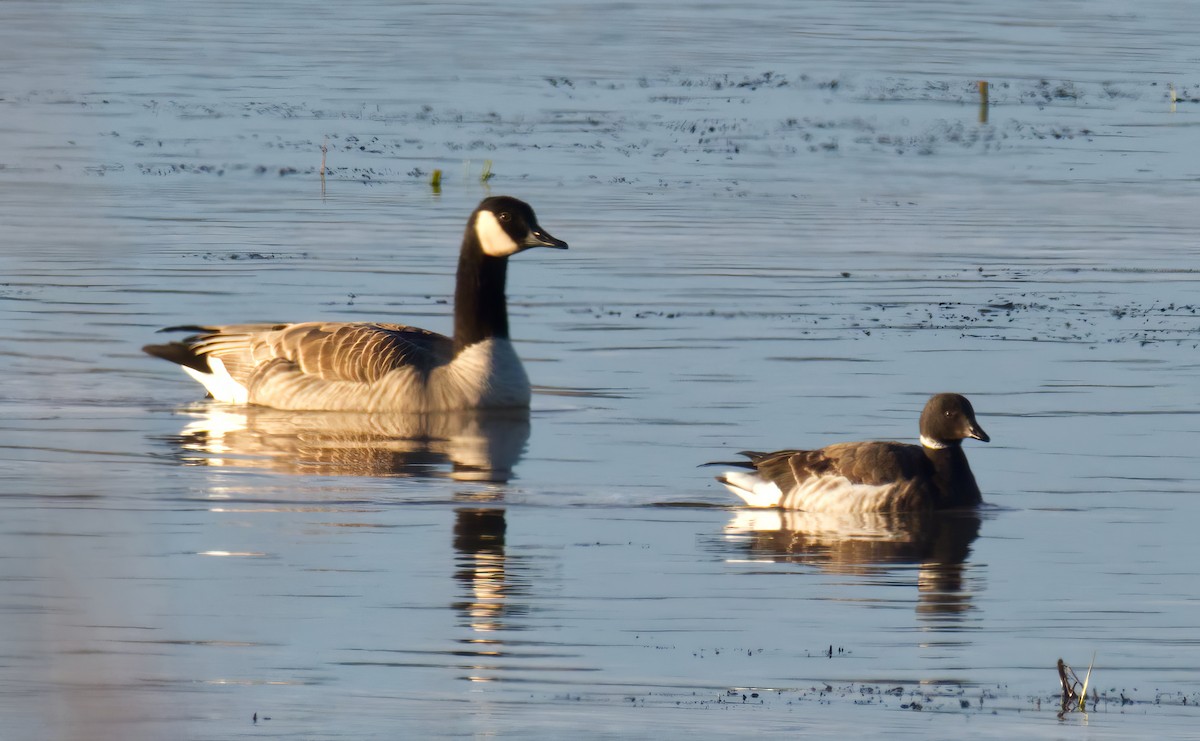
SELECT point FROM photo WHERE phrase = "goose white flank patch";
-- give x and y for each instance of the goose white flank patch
(376, 366)
(871, 476)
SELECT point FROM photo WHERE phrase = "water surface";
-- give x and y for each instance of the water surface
(788, 225)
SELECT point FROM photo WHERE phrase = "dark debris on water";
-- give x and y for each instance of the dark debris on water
(943, 699)
(358, 151)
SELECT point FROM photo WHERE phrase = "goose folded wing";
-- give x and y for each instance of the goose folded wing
(354, 352)
(361, 353)
(868, 463)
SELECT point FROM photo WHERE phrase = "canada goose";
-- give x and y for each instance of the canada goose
(871, 476)
(379, 367)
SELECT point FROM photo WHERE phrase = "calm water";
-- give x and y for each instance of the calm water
(788, 226)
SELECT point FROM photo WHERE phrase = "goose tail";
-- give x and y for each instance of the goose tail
(752, 488)
(208, 370)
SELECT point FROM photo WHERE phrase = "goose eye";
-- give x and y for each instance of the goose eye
(949, 413)
(504, 217)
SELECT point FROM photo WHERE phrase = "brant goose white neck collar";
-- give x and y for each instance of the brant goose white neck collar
(932, 444)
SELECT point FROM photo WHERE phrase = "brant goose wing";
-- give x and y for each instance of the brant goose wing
(378, 367)
(871, 476)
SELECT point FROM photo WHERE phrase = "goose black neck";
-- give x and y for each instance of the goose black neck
(955, 482)
(480, 309)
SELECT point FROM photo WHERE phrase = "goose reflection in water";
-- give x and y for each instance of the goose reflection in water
(465, 446)
(491, 579)
(870, 544)
(479, 445)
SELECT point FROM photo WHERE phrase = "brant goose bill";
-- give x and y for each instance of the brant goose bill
(376, 366)
(871, 476)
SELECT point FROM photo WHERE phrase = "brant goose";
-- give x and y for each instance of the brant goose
(378, 367)
(871, 476)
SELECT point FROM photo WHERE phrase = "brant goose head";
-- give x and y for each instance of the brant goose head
(947, 420)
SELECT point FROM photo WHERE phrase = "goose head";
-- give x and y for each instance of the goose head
(503, 226)
(949, 419)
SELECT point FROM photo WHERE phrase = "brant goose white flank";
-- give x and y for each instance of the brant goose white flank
(871, 476)
(379, 367)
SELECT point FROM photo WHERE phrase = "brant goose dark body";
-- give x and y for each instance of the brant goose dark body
(871, 476)
(378, 367)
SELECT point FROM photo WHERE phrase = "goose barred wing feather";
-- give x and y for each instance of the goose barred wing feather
(870, 464)
(331, 352)
(361, 353)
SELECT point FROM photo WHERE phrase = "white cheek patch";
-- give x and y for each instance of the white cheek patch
(492, 238)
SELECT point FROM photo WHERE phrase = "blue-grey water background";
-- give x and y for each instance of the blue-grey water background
(789, 224)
